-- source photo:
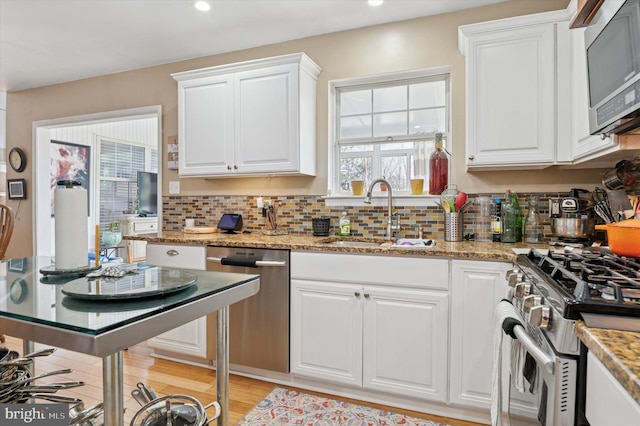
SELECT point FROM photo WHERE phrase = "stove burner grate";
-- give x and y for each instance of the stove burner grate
(591, 281)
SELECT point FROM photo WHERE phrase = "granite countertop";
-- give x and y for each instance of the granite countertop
(301, 242)
(619, 351)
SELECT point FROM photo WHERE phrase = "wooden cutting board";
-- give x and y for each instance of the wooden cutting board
(200, 229)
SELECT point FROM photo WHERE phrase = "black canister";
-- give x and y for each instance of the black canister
(321, 226)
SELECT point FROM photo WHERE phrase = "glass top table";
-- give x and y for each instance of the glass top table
(102, 316)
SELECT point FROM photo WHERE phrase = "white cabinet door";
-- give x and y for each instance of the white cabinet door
(326, 331)
(511, 91)
(405, 342)
(206, 134)
(608, 403)
(266, 120)
(189, 339)
(476, 289)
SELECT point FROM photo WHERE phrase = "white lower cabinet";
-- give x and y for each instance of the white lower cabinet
(476, 289)
(362, 330)
(608, 403)
(136, 251)
(405, 342)
(189, 340)
(326, 331)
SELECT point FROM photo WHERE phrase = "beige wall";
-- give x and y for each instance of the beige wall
(419, 43)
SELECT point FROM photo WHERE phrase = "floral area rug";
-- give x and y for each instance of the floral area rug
(290, 407)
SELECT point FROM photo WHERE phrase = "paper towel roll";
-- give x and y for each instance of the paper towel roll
(71, 231)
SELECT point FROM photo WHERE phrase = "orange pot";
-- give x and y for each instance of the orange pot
(623, 237)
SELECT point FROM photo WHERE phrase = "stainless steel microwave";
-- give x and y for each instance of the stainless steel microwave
(612, 42)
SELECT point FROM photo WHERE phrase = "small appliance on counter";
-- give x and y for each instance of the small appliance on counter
(230, 223)
(573, 218)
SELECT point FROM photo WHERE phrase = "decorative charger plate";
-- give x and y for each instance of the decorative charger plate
(143, 283)
(126, 305)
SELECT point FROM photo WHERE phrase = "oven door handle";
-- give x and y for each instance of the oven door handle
(538, 354)
(258, 263)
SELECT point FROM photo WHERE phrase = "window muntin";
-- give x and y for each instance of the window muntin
(387, 128)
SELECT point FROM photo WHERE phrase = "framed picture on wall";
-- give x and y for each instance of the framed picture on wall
(18, 265)
(17, 189)
(70, 161)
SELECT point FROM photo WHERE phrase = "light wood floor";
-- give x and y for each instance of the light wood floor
(166, 377)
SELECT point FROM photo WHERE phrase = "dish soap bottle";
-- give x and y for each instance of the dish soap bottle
(345, 225)
(438, 168)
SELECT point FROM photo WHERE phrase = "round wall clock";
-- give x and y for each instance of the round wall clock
(17, 159)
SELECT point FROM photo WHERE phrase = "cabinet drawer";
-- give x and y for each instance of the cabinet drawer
(141, 228)
(177, 256)
(371, 269)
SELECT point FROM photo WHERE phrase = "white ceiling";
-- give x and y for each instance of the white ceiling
(44, 42)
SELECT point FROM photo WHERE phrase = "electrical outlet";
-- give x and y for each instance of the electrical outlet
(174, 187)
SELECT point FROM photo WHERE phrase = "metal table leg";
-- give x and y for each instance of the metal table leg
(112, 389)
(222, 365)
(28, 347)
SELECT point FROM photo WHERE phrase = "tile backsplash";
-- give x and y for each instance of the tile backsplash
(296, 212)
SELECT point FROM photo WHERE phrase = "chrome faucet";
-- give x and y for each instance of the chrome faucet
(390, 216)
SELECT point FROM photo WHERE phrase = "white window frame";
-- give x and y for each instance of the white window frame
(334, 197)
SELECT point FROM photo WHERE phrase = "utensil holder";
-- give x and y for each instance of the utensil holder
(453, 226)
(321, 226)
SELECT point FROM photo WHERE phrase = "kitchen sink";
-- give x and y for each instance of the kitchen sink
(354, 243)
(401, 243)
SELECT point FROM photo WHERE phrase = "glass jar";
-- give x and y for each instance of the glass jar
(532, 225)
(511, 219)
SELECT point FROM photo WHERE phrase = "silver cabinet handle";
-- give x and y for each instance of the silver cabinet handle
(366, 295)
(259, 263)
(235, 167)
(228, 167)
(270, 263)
(172, 252)
(472, 157)
(356, 294)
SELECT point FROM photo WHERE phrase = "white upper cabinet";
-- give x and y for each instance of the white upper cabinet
(516, 81)
(250, 118)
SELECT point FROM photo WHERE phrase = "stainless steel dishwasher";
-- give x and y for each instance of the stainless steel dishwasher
(259, 325)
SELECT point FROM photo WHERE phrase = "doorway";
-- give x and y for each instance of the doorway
(142, 126)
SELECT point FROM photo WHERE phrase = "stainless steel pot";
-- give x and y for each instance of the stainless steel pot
(175, 410)
(573, 227)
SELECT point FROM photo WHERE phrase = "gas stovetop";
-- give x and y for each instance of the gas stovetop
(588, 283)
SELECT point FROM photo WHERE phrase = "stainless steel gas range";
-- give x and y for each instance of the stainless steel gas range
(551, 291)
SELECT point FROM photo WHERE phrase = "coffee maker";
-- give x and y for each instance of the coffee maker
(572, 218)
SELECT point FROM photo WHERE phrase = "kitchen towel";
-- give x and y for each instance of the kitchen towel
(71, 232)
(505, 316)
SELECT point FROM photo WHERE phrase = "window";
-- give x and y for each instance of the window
(385, 127)
(120, 162)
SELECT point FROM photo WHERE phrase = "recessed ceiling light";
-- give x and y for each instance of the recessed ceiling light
(375, 2)
(202, 5)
